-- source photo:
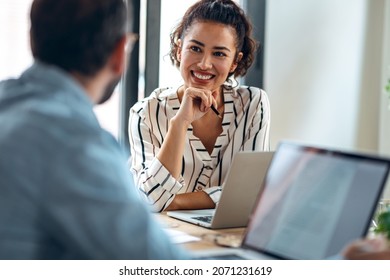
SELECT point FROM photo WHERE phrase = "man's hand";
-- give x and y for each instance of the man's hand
(368, 249)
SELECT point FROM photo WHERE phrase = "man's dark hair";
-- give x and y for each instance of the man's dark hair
(76, 35)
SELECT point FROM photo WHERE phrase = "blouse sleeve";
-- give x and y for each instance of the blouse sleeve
(154, 182)
(257, 136)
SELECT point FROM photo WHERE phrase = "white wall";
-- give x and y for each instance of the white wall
(384, 140)
(326, 64)
(322, 71)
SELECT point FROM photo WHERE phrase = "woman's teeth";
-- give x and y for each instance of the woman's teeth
(203, 77)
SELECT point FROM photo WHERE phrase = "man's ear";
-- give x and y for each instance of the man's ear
(117, 59)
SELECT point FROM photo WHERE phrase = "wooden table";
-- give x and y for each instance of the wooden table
(210, 239)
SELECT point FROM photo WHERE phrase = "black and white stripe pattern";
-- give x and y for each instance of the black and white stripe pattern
(245, 126)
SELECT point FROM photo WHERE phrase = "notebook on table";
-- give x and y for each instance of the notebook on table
(242, 185)
(314, 202)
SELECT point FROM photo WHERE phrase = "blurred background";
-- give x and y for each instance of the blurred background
(324, 65)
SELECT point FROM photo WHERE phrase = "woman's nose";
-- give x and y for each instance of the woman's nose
(205, 62)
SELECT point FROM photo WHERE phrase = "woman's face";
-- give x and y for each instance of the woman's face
(206, 55)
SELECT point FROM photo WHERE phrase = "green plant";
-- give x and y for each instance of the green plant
(383, 224)
(387, 88)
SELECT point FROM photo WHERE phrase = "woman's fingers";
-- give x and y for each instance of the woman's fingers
(203, 96)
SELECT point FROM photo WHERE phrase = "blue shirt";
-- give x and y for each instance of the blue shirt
(65, 191)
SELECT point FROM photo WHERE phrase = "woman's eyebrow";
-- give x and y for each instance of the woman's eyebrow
(216, 47)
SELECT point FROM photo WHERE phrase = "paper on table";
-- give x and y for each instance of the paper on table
(178, 236)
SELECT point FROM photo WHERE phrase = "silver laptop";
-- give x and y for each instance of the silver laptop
(242, 185)
(314, 202)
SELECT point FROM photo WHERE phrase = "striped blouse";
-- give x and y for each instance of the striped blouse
(246, 122)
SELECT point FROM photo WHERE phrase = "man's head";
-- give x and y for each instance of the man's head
(82, 37)
(77, 35)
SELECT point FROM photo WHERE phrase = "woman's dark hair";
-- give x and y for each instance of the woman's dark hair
(76, 35)
(220, 11)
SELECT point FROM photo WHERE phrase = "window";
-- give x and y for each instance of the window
(169, 74)
(15, 55)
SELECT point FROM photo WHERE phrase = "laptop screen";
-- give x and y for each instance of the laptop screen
(314, 202)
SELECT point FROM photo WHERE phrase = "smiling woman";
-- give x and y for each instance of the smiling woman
(208, 55)
(169, 18)
(181, 151)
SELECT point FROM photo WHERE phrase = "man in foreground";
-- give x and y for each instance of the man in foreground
(65, 191)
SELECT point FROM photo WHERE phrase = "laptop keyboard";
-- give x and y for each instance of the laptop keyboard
(206, 219)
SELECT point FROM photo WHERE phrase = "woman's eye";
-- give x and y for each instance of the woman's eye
(219, 54)
(195, 49)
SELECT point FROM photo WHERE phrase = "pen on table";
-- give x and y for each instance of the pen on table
(216, 111)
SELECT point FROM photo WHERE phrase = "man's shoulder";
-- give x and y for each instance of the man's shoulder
(47, 118)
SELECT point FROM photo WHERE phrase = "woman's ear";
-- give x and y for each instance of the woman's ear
(178, 51)
(235, 63)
